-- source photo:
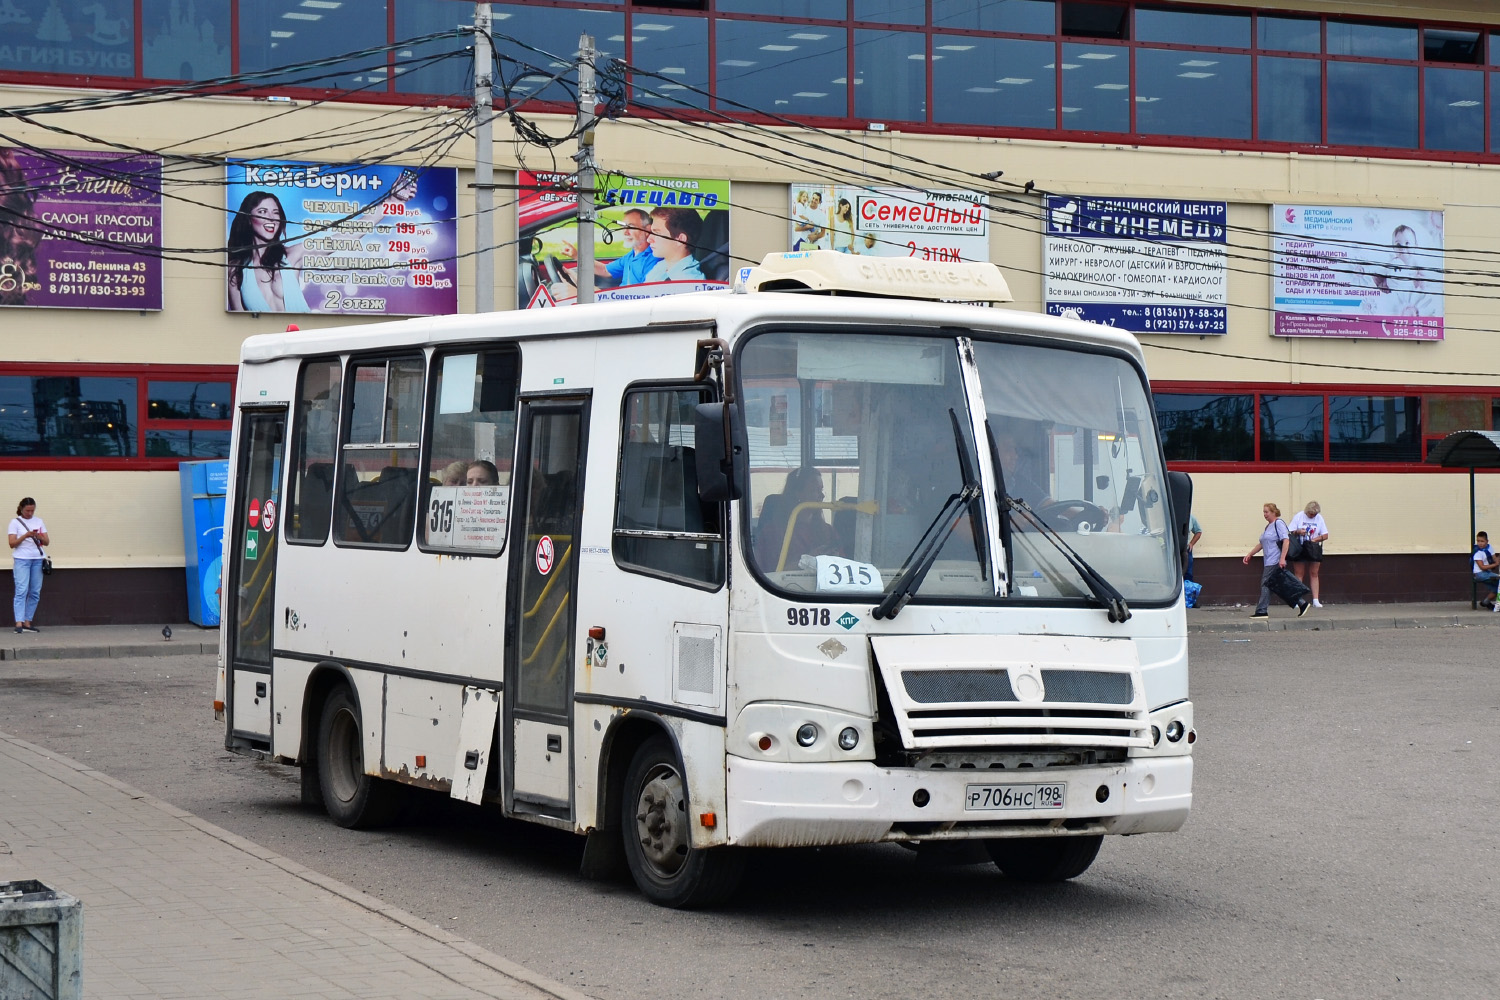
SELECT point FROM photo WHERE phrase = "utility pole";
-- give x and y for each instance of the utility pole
(587, 99)
(484, 164)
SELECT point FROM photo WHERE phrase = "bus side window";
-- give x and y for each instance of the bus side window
(383, 420)
(661, 527)
(465, 499)
(317, 437)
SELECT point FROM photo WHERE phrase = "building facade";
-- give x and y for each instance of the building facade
(1328, 314)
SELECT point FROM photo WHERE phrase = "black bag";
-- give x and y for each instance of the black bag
(1312, 551)
(46, 565)
(1287, 587)
(1294, 550)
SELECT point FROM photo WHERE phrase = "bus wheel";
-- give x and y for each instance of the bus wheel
(1044, 859)
(656, 828)
(351, 797)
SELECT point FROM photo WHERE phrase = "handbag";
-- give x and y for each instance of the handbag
(1312, 551)
(46, 565)
(1295, 550)
(1190, 592)
(1287, 587)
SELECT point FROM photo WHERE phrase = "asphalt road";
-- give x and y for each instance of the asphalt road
(1343, 843)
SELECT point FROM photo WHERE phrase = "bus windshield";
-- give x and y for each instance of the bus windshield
(858, 441)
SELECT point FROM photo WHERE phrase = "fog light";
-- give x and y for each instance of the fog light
(920, 798)
(1101, 794)
(848, 738)
(1155, 736)
(1174, 731)
(807, 734)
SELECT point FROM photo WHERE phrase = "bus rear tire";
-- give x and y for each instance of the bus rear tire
(1044, 859)
(656, 829)
(352, 798)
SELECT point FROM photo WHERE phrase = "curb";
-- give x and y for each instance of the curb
(1309, 624)
(107, 652)
(417, 925)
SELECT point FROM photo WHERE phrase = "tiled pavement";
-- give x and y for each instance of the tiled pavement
(177, 907)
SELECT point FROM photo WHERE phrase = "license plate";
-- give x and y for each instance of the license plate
(1015, 796)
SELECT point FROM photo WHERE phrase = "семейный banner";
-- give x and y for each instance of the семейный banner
(347, 239)
(80, 229)
(652, 236)
(890, 222)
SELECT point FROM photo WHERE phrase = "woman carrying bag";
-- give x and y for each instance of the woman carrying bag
(1306, 554)
(1274, 542)
(27, 534)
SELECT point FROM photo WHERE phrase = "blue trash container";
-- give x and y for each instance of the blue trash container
(203, 487)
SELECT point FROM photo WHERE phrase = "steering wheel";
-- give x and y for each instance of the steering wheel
(556, 272)
(1070, 515)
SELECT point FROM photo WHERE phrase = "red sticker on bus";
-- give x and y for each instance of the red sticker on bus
(544, 555)
(254, 512)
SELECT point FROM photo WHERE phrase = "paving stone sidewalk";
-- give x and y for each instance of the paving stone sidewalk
(176, 907)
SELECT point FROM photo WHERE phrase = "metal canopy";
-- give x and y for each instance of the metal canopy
(1467, 450)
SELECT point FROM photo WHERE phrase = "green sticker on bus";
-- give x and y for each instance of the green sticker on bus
(252, 544)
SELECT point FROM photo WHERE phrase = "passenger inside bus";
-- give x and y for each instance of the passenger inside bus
(452, 474)
(481, 473)
(811, 535)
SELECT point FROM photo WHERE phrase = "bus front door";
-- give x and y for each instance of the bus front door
(542, 607)
(252, 578)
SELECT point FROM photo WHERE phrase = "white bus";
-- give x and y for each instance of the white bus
(771, 567)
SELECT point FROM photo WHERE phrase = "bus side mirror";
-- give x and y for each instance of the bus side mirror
(1180, 487)
(721, 469)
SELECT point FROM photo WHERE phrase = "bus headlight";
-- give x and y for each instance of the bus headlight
(848, 738)
(807, 734)
(1174, 730)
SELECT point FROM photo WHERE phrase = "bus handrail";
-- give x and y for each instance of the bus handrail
(567, 554)
(541, 640)
(863, 507)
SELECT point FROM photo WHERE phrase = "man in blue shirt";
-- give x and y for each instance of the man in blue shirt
(674, 237)
(632, 268)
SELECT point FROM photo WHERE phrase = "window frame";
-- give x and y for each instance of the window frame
(429, 425)
(294, 452)
(709, 393)
(144, 375)
(351, 364)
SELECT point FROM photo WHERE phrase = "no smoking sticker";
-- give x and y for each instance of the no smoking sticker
(268, 515)
(544, 555)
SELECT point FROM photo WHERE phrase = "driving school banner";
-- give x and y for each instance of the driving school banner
(1148, 265)
(1369, 273)
(890, 222)
(652, 236)
(80, 230)
(345, 239)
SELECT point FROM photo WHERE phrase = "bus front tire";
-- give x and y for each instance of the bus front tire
(656, 829)
(352, 798)
(1044, 859)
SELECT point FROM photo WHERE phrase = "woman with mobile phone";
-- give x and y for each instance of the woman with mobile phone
(27, 534)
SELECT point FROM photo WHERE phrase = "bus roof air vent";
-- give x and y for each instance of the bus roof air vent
(830, 272)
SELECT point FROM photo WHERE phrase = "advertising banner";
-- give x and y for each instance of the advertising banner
(1148, 265)
(353, 240)
(890, 222)
(652, 236)
(1370, 273)
(80, 230)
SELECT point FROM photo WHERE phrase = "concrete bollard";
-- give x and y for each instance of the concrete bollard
(41, 943)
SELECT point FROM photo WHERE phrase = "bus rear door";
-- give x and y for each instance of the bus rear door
(252, 577)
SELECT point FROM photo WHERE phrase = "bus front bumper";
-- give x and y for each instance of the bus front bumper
(775, 804)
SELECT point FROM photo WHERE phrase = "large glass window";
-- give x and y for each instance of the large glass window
(188, 420)
(1291, 100)
(1291, 428)
(466, 492)
(1289, 34)
(661, 527)
(782, 68)
(1374, 429)
(676, 49)
(44, 36)
(891, 11)
(1372, 104)
(315, 439)
(1371, 41)
(549, 37)
(890, 75)
(66, 416)
(1192, 93)
(1096, 88)
(277, 33)
(994, 81)
(185, 41)
(1026, 17)
(828, 9)
(1451, 45)
(1453, 105)
(1207, 427)
(1180, 27)
(377, 490)
(443, 66)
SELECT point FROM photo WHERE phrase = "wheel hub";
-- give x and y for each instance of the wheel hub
(660, 820)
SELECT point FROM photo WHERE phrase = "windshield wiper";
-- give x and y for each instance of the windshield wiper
(1101, 588)
(925, 554)
(1005, 530)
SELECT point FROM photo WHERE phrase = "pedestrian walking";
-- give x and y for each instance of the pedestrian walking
(1273, 545)
(1306, 551)
(27, 535)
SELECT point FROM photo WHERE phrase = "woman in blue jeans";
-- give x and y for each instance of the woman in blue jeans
(27, 534)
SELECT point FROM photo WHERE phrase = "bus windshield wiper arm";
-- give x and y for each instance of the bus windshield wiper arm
(925, 554)
(1101, 588)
